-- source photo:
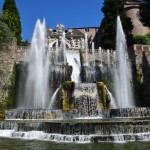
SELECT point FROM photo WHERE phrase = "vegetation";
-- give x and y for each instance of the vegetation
(108, 24)
(12, 19)
(145, 13)
(6, 37)
(142, 39)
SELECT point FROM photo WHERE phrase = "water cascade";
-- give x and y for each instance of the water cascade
(73, 59)
(123, 86)
(86, 100)
(36, 91)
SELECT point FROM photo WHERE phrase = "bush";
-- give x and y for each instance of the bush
(142, 39)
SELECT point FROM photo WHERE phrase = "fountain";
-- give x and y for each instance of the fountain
(123, 78)
(36, 90)
(66, 100)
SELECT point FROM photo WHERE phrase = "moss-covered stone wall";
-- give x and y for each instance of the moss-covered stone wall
(66, 95)
(7, 78)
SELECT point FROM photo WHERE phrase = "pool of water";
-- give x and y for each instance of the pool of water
(17, 144)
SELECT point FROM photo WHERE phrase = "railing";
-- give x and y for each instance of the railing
(23, 47)
(141, 47)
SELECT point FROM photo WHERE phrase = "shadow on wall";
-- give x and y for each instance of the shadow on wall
(146, 80)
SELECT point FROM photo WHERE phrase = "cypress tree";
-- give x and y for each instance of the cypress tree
(145, 12)
(111, 9)
(13, 19)
(6, 36)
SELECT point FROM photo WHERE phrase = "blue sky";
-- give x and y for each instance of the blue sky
(71, 13)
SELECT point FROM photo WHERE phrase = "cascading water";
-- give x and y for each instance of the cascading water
(73, 59)
(123, 86)
(36, 90)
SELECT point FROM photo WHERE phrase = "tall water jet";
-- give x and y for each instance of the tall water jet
(108, 58)
(100, 55)
(86, 51)
(123, 86)
(93, 54)
(63, 44)
(56, 51)
(36, 90)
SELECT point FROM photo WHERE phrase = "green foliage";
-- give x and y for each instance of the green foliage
(111, 9)
(6, 37)
(145, 13)
(142, 39)
(12, 19)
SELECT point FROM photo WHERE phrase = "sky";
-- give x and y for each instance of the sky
(70, 13)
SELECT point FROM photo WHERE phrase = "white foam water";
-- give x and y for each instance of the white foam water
(40, 135)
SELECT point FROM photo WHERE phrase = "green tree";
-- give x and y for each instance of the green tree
(12, 19)
(6, 35)
(111, 9)
(145, 12)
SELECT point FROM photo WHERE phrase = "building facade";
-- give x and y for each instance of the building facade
(74, 36)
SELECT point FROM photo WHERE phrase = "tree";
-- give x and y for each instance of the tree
(145, 13)
(111, 9)
(6, 35)
(12, 19)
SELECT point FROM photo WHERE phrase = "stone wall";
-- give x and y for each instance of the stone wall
(7, 60)
(140, 56)
(132, 11)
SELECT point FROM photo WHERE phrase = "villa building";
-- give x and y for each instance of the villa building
(74, 36)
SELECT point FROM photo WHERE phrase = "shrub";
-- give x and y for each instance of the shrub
(6, 36)
(142, 39)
